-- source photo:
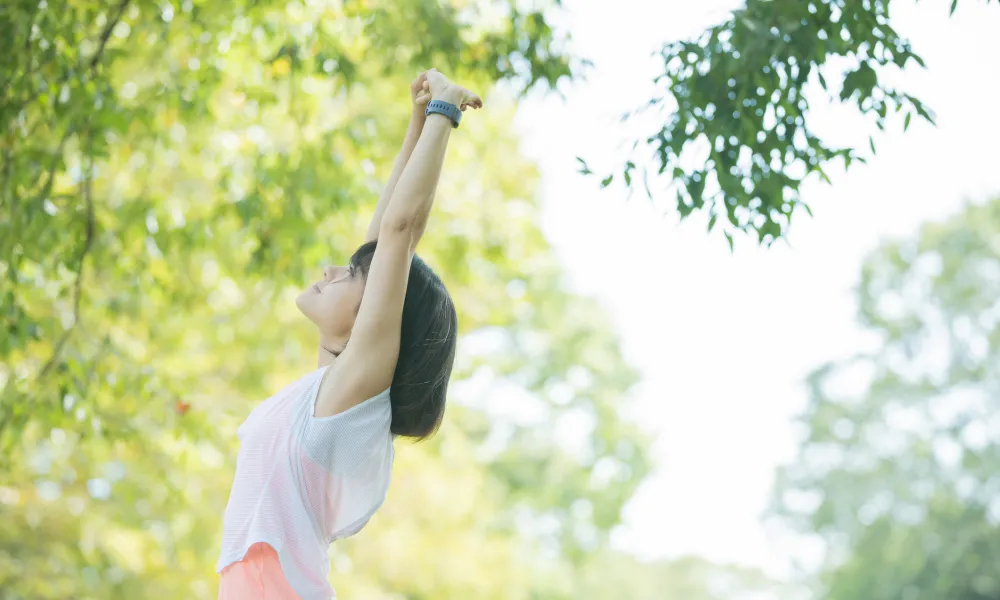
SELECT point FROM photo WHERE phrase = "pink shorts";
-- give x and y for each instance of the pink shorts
(257, 577)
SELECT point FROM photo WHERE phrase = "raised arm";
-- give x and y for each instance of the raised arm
(366, 366)
(419, 96)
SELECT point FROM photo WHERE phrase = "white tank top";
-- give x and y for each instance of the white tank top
(302, 482)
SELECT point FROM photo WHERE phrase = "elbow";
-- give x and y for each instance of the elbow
(402, 226)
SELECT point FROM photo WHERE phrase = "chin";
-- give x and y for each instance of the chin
(301, 302)
(308, 307)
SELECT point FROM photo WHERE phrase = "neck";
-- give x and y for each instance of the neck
(328, 351)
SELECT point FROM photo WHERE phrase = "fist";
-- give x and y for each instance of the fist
(420, 92)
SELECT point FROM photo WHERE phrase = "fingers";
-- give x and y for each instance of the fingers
(472, 100)
(422, 98)
(420, 81)
(475, 102)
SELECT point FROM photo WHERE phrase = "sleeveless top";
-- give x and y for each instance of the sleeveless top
(302, 482)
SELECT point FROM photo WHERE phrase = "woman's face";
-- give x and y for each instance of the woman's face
(332, 302)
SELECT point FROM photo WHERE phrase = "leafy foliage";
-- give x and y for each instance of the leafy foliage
(170, 174)
(735, 137)
(898, 469)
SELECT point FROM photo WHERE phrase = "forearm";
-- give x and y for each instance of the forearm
(411, 200)
(409, 143)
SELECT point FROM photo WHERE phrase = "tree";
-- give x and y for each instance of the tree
(170, 173)
(897, 472)
(731, 129)
(690, 578)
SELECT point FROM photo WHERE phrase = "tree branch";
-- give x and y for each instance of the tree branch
(94, 60)
(28, 71)
(86, 185)
(43, 193)
(107, 33)
(88, 243)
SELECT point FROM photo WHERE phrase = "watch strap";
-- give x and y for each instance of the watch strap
(445, 108)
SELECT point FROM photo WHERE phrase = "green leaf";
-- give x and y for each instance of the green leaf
(682, 207)
(863, 80)
(696, 189)
(607, 181)
(584, 169)
(729, 238)
(954, 5)
(921, 110)
(711, 222)
(871, 144)
(906, 121)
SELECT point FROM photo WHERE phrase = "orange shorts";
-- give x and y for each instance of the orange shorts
(257, 577)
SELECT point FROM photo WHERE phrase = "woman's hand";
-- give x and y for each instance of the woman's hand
(420, 93)
(440, 88)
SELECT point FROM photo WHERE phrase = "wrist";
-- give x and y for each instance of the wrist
(451, 95)
(439, 120)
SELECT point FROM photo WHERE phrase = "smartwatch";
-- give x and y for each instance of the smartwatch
(444, 108)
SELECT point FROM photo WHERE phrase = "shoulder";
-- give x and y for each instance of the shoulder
(355, 441)
(364, 422)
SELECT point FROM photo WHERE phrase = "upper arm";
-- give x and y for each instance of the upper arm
(373, 227)
(366, 366)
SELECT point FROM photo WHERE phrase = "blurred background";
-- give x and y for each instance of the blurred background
(728, 278)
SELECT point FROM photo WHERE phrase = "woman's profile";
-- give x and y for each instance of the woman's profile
(315, 458)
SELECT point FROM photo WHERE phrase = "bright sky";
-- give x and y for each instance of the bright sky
(724, 342)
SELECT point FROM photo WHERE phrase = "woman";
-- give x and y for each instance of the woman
(315, 458)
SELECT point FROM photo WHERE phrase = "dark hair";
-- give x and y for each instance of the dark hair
(427, 341)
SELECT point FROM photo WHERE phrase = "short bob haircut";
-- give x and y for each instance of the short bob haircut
(427, 341)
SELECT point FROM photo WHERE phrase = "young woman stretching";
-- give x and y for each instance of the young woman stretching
(315, 458)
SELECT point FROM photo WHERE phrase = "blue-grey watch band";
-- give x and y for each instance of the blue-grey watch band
(445, 108)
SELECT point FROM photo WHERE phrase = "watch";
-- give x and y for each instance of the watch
(445, 108)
